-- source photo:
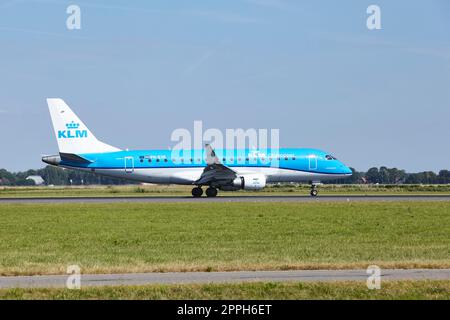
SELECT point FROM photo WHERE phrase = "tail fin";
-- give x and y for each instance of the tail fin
(71, 133)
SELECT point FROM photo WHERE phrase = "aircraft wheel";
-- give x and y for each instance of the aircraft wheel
(197, 192)
(314, 192)
(211, 192)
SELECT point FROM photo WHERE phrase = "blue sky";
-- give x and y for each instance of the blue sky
(137, 70)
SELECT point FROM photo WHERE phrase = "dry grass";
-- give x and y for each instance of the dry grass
(405, 290)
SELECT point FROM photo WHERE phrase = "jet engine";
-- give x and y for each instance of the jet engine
(246, 182)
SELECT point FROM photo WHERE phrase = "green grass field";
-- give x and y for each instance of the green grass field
(137, 237)
(173, 190)
(263, 291)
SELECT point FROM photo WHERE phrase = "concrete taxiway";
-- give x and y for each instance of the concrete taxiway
(221, 277)
(159, 199)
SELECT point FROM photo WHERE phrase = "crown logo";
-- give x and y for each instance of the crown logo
(72, 125)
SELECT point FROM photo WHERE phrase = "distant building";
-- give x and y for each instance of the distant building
(37, 180)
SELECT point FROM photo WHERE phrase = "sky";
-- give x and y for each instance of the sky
(137, 70)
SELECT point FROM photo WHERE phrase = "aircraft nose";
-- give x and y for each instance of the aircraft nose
(343, 169)
(346, 170)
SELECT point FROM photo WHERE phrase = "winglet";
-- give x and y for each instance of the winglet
(211, 157)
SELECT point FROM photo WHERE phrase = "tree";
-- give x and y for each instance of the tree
(6, 178)
(373, 175)
(444, 176)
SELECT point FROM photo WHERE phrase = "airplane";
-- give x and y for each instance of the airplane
(225, 170)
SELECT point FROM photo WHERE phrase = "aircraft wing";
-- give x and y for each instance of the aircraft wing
(214, 171)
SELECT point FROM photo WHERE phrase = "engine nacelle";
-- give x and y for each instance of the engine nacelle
(247, 182)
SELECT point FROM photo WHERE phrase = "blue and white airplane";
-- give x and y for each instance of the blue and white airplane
(226, 170)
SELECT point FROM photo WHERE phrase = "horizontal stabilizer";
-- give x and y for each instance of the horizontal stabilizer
(70, 157)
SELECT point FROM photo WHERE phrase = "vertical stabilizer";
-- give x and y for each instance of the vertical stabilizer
(71, 133)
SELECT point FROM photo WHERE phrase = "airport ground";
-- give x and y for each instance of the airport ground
(160, 237)
(173, 190)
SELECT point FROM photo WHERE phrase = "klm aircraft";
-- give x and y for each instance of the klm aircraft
(227, 170)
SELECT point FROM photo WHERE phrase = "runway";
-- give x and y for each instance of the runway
(220, 277)
(182, 199)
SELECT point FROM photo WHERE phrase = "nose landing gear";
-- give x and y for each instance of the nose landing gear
(314, 191)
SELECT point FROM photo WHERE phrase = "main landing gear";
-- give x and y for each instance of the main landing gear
(211, 192)
(197, 192)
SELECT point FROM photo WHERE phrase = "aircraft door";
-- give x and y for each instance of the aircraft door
(312, 162)
(129, 164)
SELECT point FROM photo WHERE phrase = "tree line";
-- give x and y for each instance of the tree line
(58, 176)
(384, 175)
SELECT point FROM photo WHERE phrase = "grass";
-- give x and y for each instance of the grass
(263, 291)
(139, 237)
(173, 190)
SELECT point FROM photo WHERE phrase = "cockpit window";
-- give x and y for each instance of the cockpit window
(330, 157)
